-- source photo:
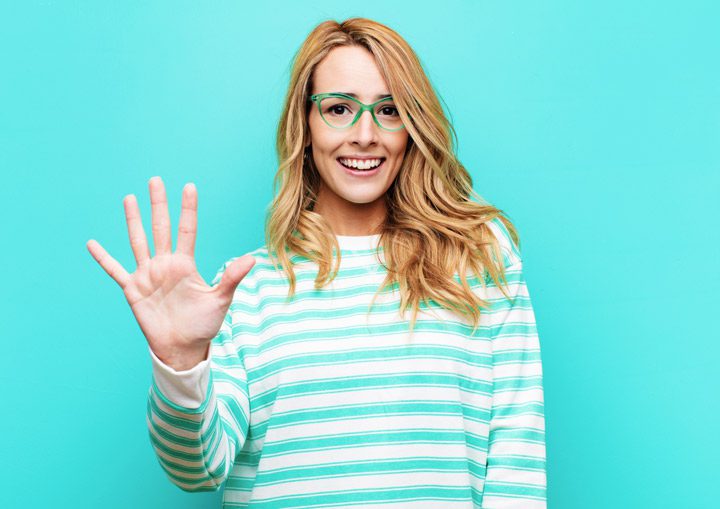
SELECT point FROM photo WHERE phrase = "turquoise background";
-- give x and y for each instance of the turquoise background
(595, 125)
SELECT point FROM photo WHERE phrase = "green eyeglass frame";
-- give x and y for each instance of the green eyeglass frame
(316, 98)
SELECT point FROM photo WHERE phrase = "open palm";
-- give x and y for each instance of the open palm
(178, 312)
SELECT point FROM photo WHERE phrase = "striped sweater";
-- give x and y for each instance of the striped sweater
(318, 403)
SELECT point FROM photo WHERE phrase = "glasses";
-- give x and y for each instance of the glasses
(341, 111)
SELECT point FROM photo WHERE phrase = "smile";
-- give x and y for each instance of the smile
(368, 168)
(361, 164)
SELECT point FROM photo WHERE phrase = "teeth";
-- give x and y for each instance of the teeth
(361, 165)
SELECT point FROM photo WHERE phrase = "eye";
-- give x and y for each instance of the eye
(337, 109)
(389, 111)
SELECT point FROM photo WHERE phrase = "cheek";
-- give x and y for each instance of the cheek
(325, 142)
(399, 140)
(400, 146)
(316, 127)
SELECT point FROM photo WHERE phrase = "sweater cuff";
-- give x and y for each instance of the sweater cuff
(187, 389)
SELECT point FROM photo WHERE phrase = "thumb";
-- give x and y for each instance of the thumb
(234, 273)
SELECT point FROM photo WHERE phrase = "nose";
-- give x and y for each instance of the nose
(365, 131)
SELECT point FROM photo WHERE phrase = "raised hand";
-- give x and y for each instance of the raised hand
(177, 311)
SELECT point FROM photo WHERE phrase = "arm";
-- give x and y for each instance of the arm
(197, 410)
(516, 472)
(198, 418)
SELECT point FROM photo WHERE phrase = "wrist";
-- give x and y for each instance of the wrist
(182, 358)
(182, 391)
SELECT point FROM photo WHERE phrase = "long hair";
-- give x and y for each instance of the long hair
(432, 230)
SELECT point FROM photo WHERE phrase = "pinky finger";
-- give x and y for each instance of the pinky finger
(108, 263)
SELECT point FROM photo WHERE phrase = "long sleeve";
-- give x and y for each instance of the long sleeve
(516, 470)
(198, 419)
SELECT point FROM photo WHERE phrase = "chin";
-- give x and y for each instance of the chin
(363, 199)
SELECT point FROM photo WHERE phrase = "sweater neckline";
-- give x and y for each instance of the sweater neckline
(357, 242)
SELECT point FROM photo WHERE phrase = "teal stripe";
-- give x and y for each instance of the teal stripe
(391, 309)
(329, 471)
(315, 301)
(277, 281)
(191, 422)
(396, 354)
(239, 386)
(184, 468)
(472, 440)
(362, 331)
(235, 410)
(505, 411)
(404, 380)
(192, 484)
(201, 444)
(519, 463)
(519, 435)
(347, 498)
(517, 356)
(348, 440)
(250, 356)
(517, 384)
(197, 457)
(180, 409)
(356, 410)
(514, 490)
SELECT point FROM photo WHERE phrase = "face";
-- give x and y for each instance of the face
(349, 194)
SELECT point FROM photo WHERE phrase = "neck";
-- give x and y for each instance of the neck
(352, 219)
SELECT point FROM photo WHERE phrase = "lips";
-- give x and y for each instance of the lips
(382, 160)
(356, 172)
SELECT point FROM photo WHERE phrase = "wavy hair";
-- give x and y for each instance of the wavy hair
(433, 228)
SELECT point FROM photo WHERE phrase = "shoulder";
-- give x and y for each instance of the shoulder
(509, 248)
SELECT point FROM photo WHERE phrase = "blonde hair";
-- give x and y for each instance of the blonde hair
(432, 227)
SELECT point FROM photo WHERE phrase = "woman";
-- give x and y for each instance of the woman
(295, 377)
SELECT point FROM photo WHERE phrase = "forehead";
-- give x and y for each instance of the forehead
(349, 69)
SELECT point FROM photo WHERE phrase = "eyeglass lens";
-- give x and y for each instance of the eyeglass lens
(340, 112)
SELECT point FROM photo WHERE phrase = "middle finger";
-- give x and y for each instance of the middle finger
(187, 228)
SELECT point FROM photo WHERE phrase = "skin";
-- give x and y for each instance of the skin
(178, 312)
(353, 205)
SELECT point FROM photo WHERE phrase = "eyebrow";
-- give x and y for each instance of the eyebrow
(377, 97)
